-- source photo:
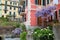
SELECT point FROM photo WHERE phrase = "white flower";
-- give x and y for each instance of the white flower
(49, 34)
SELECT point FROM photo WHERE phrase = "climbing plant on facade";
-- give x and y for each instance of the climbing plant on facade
(45, 13)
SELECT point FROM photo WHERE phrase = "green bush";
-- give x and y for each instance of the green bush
(6, 22)
(55, 21)
(23, 27)
(43, 34)
(23, 36)
(17, 25)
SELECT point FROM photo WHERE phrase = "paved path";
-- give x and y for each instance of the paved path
(12, 39)
(29, 38)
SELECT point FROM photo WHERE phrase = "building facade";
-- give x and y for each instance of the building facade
(58, 10)
(0, 9)
(9, 8)
(30, 11)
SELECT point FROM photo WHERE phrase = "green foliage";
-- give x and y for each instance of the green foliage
(23, 27)
(23, 36)
(43, 34)
(3, 19)
(17, 25)
(6, 22)
(55, 21)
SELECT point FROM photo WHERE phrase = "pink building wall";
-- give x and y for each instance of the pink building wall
(58, 8)
(33, 19)
(33, 11)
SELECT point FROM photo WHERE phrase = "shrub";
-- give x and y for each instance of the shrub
(17, 25)
(23, 27)
(23, 36)
(43, 34)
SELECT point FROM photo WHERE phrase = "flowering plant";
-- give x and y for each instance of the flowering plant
(17, 31)
(49, 10)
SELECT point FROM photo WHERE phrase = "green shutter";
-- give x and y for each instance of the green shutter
(44, 2)
(47, 1)
(36, 1)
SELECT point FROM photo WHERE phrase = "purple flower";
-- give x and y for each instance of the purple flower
(44, 11)
(52, 7)
(17, 31)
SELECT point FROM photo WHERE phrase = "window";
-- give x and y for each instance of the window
(14, 3)
(10, 13)
(24, 4)
(5, 11)
(14, 8)
(10, 7)
(24, 17)
(10, 2)
(39, 2)
(5, 5)
(5, 2)
(36, 2)
(19, 10)
(39, 21)
(23, 9)
(42, 2)
(14, 15)
(47, 1)
(55, 15)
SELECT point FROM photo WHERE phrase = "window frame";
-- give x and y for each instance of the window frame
(10, 13)
(10, 3)
(14, 8)
(46, 2)
(55, 15)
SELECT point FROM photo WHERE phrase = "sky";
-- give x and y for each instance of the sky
(55, 1)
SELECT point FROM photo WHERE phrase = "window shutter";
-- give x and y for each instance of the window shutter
(36, 1)
(48, 1)
(44, 2)
(39, 2)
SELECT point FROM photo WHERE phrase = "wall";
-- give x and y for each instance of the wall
(33, 19)
(58, 7)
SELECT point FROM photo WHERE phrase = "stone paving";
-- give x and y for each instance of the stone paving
(29, 38)
(12, 39)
